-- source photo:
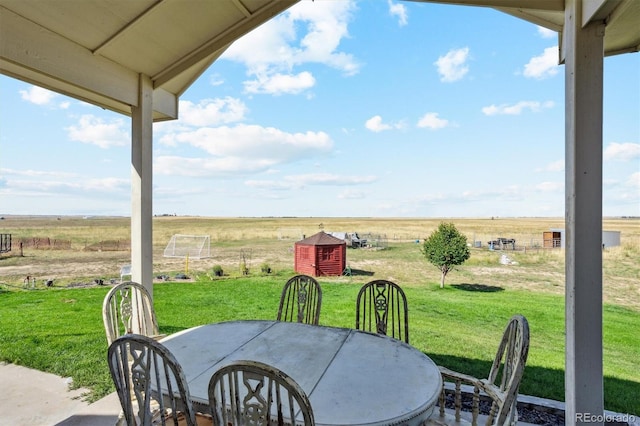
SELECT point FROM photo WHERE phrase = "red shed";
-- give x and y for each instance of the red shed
(320, 254)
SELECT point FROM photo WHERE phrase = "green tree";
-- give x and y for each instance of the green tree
(445, 248)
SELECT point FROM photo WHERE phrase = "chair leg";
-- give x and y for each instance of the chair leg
(121, 420)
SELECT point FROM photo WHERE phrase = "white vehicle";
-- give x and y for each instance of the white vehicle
(352, 239)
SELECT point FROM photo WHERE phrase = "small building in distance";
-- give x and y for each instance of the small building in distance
(555, 238)
(320, 254)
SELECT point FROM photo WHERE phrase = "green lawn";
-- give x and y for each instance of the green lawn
(61, 331)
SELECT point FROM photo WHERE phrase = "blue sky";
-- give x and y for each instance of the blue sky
(338, 108)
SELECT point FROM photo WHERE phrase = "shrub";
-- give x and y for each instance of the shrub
(217, 271)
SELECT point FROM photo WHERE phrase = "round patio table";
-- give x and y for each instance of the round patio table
(352, 377)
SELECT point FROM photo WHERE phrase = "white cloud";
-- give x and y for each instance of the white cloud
(312, 179)
(543, 66)
(610, 182)
(546, 32)
(274, 185)
(375, 124)
(268, 46)
(556, 166)
(240, 149)
(211, 112)
(431, 121)
(95, 131)
(273, 49)
(452, 66)
(210, 166)
(216, 80)
(252, 141)
(518, 108)
(350, 194)
(37, 173)
(508, 193)
(277, 84)
(331, 179)
(327, 26)
(108, 184)
(78, 186)
(622, 151)
(634, 180)
(37, 95)
(399, 11)
(550, 186)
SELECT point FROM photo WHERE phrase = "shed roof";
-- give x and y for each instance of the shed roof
(322, 239)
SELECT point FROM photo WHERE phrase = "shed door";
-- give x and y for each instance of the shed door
(328, 261)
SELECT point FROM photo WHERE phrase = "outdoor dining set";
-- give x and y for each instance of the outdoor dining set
(293, 371)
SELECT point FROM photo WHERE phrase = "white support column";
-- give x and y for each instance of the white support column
(584, 57)
(141, 186)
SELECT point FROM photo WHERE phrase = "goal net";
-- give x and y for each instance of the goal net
(192, 246)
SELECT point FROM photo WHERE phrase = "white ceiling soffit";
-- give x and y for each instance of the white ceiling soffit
(622, 17)
(95, 50)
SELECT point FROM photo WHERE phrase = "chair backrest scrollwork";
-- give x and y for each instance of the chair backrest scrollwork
(301, 300)
(381, 307)
(149, 381)
(257, 394)
(128, 308)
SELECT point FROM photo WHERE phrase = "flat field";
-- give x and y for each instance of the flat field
(470, 312)
(259, 241)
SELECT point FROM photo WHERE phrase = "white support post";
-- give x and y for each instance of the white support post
(584, 58)
(141, 186)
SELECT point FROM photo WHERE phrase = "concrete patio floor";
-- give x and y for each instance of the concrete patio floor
(32, 397)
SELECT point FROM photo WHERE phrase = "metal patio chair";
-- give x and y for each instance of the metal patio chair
(301, 300)
(150, 383)
(257, 394)
(381, 307)
(128, 308)
(500, 387)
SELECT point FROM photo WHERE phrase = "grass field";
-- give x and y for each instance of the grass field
(59, 329)
(257, 239)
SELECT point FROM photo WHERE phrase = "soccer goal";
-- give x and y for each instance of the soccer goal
(191, 246)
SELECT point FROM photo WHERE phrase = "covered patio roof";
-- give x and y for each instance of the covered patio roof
(621, 17)
(138, 57)
(94, 50)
